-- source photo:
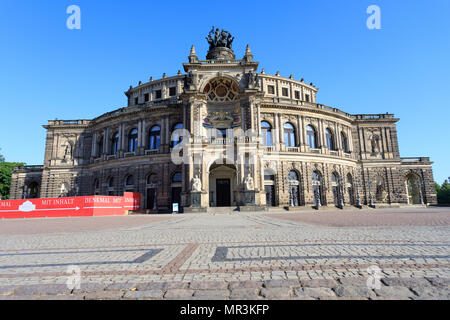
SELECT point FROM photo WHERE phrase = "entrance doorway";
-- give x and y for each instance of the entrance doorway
(176, 195)
(270, 195)
(222, 185)
(223, 192)
(151, 196)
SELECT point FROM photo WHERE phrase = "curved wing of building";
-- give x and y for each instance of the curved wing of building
(223, 135)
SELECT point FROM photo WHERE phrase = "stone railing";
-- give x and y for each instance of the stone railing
(415, 160)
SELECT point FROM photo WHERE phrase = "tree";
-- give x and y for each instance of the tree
(2, 158)
(443, 193)
(6, 169)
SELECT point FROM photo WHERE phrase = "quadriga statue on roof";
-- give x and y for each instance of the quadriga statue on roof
(217, 38)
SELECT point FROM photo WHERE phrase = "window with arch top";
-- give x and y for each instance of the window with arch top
(329, 140)
(129, 181)
(115, 143)
(155, 138)
(176, 136)
(266, 131)
(311, 137)
(289, 135)
(344, 142)
(177, 177)
(133, 140)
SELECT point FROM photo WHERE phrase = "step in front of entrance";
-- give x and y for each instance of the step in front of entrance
(223, 210)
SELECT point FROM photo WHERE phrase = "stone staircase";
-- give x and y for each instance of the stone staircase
(223, 210)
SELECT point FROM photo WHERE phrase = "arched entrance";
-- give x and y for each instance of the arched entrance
(269, 187)
(32, 191)
(414, 189)
(350, 190)
(294, 189)
(222, 185)
(335, 188)
(317, 183)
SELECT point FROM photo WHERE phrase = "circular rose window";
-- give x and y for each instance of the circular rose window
(220, 89)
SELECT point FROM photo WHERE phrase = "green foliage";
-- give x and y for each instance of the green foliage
(6, 169)
(2, 158)
(443, 193)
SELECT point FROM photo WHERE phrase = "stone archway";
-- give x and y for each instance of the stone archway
(223, 190)
(414, 189)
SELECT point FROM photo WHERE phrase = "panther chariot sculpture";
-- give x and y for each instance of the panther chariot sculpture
(220, 45)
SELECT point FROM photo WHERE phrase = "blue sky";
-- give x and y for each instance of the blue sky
(48, 71)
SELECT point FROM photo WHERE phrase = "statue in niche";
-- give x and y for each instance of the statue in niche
(196, 184)
(68, 151)
(249, 183)
(375, 144)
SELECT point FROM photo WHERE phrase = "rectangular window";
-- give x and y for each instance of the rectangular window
(307, 98)
(271, 89)
(285, 92)
(136, 100)
(172, 91)
(158, 94)
(297, 95)
(146, 97)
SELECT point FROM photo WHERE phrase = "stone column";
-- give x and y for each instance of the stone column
(107, 141)
(94, 145)
(303, 135)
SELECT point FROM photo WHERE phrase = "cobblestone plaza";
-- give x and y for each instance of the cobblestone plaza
(274, 255)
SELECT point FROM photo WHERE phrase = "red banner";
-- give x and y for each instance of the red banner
(70, 207)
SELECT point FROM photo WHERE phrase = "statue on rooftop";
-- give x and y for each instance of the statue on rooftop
(219, 39)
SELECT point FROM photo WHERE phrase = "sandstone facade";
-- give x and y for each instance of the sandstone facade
(255, 140)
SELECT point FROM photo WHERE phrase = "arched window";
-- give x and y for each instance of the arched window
(293, 175)
(289, 135)
(329, 139)
(96, 186)
(152, 179)
(177, 177)
(133, 140)
(344, 142)
(129, 181)
(155, 138)
(311, 137)
(115, 143)
(266, 131)
(176, 136)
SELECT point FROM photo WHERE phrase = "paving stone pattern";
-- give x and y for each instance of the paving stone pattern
(236, 256)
